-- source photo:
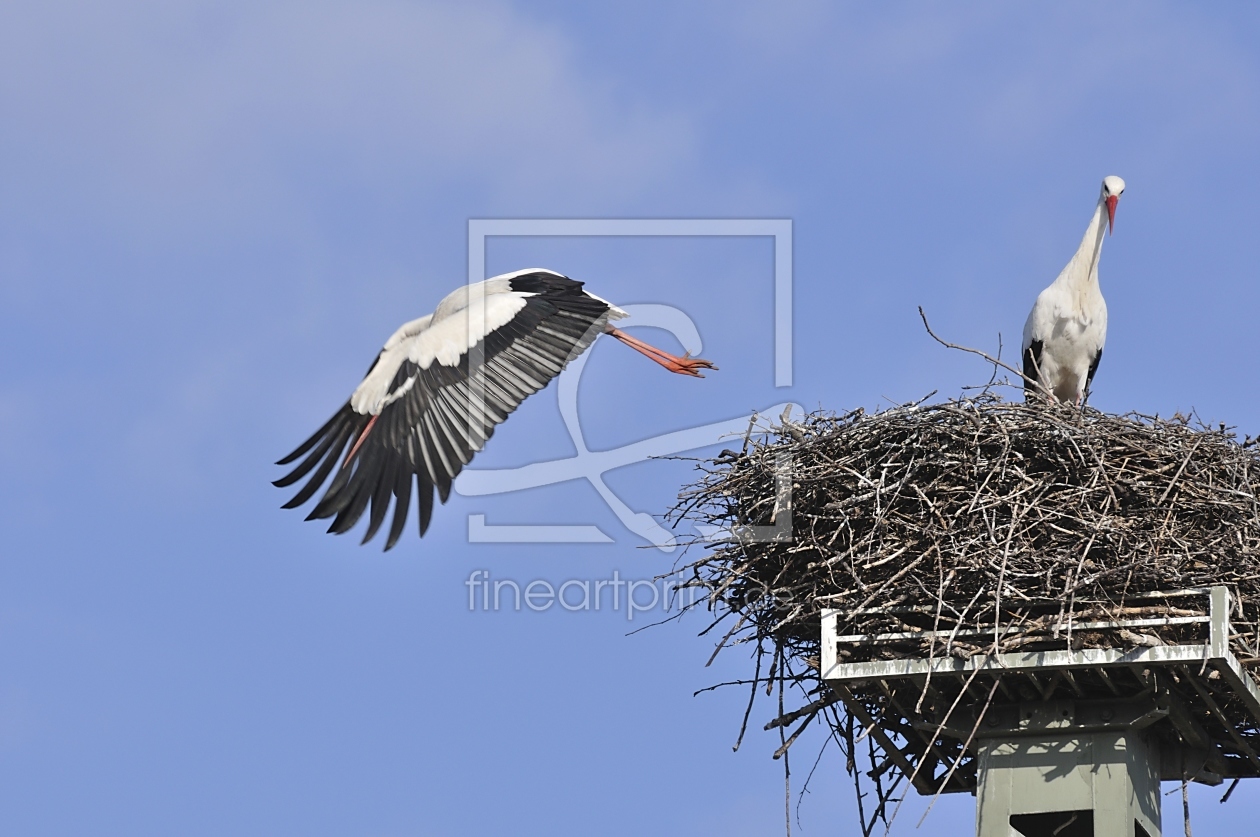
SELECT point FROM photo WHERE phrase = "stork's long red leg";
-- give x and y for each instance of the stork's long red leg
(685, 365)
(366, 430)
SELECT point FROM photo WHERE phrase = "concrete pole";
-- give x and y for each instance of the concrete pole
(1103, 784)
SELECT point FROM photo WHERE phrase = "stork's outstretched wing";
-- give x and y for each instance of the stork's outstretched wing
(421, 425)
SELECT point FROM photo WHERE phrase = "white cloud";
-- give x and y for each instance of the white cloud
(170, 168)
(237, 103)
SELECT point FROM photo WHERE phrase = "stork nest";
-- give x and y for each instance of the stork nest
(967, 512)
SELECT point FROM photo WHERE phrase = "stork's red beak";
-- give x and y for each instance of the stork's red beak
(1112, 200)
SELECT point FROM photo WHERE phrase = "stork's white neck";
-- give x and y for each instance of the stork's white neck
(1083, 267)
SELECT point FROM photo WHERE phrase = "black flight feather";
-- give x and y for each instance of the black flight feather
(432, 430)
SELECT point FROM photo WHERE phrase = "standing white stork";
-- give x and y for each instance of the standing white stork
(1067, 327)
(413, 417)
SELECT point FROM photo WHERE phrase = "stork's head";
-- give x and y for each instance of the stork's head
(1112, 189)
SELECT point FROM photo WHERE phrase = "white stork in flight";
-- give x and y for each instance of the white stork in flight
(408, 422)
(1067, 327)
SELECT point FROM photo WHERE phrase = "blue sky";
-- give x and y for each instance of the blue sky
(212, 214)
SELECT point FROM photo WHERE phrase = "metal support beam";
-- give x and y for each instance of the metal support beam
(922, 784)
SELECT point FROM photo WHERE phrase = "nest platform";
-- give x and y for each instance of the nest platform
(935, 573)
(1193, 695)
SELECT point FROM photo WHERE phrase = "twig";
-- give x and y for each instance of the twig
(996, 363)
